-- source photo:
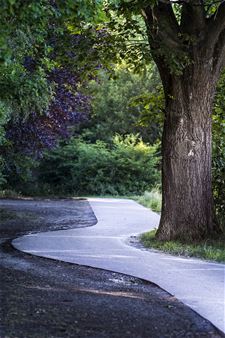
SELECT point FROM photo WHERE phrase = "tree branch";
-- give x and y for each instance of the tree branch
(193, 18)
(162, 24)
(163, 29)
(216, 24)
(219, 54)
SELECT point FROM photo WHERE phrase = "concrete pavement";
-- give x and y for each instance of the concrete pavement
(199, 284)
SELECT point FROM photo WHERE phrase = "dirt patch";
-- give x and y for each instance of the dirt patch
(46, 298)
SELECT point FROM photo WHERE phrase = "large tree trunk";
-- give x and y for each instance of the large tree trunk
(194, 47)
(187, 207)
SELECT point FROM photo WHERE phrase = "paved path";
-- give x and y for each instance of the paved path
(200, 285)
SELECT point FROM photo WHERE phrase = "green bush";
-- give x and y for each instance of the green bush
(128, 167)
(19, 172)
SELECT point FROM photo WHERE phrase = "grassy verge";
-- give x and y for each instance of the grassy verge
(151, 199)
(148, 199)
(7, 193)
(208, 249)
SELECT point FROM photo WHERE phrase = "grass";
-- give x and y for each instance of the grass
(7, 193)
(211, 249)
(148, 199)
(151, 199)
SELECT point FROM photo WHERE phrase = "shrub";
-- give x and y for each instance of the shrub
(128, 167)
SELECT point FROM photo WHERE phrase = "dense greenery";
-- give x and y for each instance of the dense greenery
(80, 168)
(23, 31)
(40, 75)
(118, 107)
(128, 103)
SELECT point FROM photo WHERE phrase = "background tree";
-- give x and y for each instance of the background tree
(127, 103)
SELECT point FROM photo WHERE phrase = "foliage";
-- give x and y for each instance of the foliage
(151, 199)
(39, 95)
(28, 133)
(218, 167)
(18, 169)
(23, 28)
(68, 107)
(142, 29)
(128, 167)
(127, 36)
(119, 105)
(210, 249)
(24, 31)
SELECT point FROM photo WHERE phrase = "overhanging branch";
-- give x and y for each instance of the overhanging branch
(216, 24)
(162, 24)
(219, 53)
(193, 18)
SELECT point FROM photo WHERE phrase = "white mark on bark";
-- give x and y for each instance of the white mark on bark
(191, 153)
(211, 63)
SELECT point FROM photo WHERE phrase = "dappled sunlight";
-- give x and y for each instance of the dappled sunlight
(112, 293)
(79, 254)
(188, 260)
(89, 290)
(199, 269)
(109, 200)
(74, 236)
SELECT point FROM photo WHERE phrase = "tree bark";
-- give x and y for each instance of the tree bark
(187, 206)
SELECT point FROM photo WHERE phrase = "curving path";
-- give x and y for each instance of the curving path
(199, 284)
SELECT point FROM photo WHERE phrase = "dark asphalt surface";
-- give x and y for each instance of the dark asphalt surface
(46, 298)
